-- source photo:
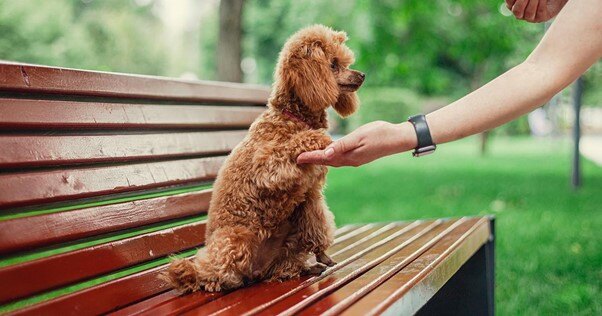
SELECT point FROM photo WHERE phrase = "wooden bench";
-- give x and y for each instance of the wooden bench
(104, 176)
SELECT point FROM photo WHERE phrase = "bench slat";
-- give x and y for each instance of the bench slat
(53, 114)
(51, 150)
(60, 227)
(70, 267)
(106, 297)
(33, 187)
(42, 79)
(103, 298)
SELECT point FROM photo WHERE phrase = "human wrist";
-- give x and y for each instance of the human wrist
(406, 139)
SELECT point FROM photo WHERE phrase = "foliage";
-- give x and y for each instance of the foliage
(592, 96)
(111, 35)
(431, 47)
(548, 245)
(415, 48)
(387, 104)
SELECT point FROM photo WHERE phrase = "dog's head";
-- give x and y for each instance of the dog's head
(314, 66)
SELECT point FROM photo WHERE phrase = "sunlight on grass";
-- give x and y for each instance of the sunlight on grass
(549, 253)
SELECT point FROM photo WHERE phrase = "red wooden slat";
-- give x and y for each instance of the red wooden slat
(351, 240)
(103, 298)
(46, 150)
(46, 273)
(66, 226)
(51, 114)
(33, 187)
(342, 298)
(34, 78)
(421, 279)
(344, 230)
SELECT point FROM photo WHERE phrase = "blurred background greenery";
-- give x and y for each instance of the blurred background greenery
(418, 56)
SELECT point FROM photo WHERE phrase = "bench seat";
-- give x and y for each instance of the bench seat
(104, 176)
(385, 268)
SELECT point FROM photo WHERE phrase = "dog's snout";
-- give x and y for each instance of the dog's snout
(359, 77)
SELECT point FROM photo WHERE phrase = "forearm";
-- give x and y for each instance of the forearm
(516, 92)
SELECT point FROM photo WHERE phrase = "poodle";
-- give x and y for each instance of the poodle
(267, 215)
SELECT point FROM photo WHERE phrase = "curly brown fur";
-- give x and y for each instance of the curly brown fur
(268, 214)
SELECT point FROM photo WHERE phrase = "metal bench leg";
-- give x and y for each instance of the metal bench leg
(471, 290)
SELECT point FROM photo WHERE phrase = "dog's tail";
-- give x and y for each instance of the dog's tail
(183, 274)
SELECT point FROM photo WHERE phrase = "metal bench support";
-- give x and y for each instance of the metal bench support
(471, 290)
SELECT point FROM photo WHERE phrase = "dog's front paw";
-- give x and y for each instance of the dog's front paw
(211, 286)
(322, 141)
(315, 269)
(322, 257)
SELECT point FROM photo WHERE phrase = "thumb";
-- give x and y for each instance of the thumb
(315, 157)
(326, 156)
(320, 157)
(341, 146)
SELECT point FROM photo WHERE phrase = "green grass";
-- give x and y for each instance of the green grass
(548, 237)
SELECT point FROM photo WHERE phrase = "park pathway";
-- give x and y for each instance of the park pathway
(591, 148)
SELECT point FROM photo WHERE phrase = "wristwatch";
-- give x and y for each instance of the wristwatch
(423, 134)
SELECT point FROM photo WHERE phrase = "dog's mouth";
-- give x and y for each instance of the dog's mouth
(350, 87)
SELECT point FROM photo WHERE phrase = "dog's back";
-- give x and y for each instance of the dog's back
(259, 184)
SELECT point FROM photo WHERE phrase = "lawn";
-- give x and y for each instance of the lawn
(549, 244)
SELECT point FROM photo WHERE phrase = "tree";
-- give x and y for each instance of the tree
(229, 50)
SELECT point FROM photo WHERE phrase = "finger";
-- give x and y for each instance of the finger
(313, 157)
(518, 9)
(542, 11)
(338, 147)
(345, 144)
(531, 10)
(509, 4)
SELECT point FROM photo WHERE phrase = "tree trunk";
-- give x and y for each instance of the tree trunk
(484, 139)
(229, 42)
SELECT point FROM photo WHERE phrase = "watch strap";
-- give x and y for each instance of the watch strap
(423, 134)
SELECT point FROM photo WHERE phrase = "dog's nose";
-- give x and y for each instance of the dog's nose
(362, 75)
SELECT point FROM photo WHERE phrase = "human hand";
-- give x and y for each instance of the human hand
(367, 143)
(535, 10)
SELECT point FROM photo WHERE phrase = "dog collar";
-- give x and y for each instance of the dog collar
(295, 117)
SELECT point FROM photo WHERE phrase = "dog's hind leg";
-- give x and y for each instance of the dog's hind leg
(225, 263)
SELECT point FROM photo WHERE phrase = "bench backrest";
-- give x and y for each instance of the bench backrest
(102, 176)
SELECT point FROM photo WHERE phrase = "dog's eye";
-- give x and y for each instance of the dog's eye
(334, 65)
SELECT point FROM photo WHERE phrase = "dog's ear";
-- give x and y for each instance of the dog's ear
(347, 104)
(308, 74)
